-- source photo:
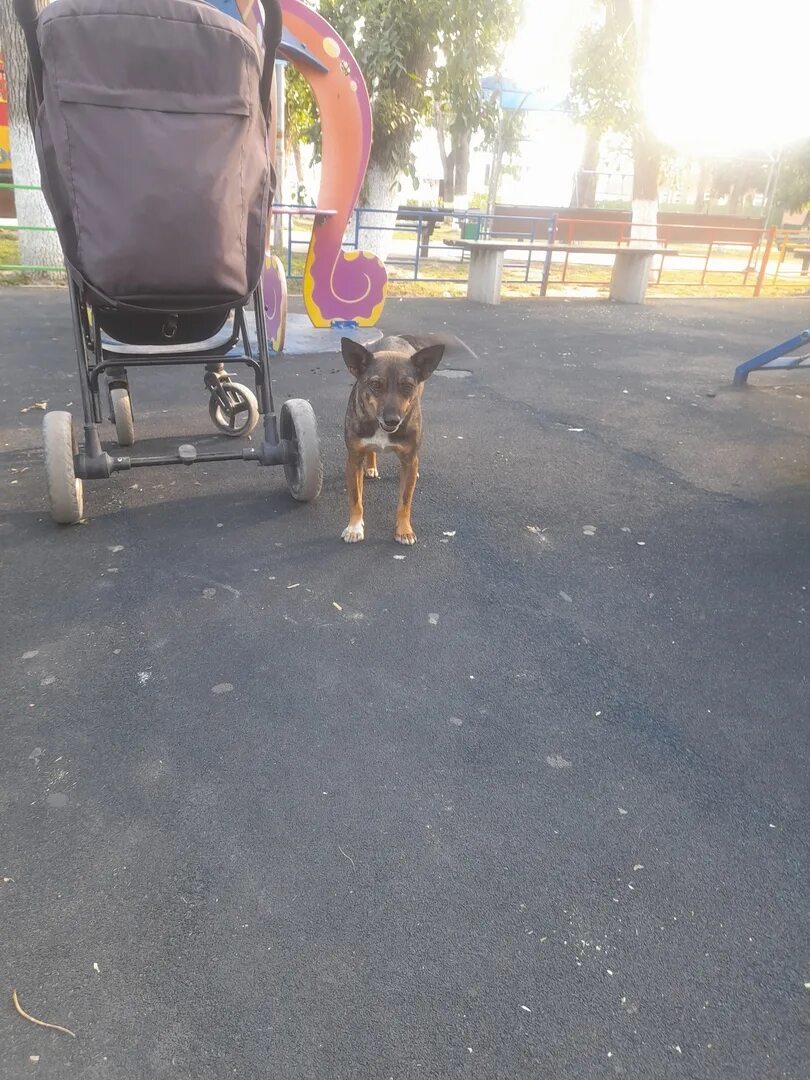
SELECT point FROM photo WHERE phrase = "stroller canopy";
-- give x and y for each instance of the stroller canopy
(152, 136)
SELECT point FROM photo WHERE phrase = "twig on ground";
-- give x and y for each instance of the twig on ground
(345, 856)
(40, 1023)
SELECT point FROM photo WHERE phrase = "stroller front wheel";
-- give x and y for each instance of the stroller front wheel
(65, 489)
(240, 415)
(299, 426)
(122, 415)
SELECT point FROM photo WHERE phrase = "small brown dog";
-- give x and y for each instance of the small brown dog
(385, 414)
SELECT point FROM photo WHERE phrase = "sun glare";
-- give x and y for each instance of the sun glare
(726, 77)
(723, 76)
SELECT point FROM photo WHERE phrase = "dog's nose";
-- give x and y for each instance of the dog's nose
(391, 420)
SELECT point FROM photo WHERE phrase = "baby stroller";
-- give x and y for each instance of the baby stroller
(151, 122)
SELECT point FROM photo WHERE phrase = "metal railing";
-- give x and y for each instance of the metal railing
(713, 257)
(26, 268)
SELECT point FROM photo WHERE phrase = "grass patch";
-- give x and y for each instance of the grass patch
(582, 280)
(9, 248)
(10, 256)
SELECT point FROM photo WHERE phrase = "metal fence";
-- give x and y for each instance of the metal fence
(14, 229)
(712, 258)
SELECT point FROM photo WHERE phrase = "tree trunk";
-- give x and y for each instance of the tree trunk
(381, 192)
(36, 248)
(646, 148)
(292, 149)
(497, 165)
(584, 193)
(461, 162)
(646, 167)
(449, 182)
(299, 165)
(703, 182)
(448, 159)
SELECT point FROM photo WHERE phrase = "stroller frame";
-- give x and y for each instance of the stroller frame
(290, 440)
(94, 361)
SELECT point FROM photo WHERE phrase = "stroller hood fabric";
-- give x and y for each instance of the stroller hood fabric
(154, 149)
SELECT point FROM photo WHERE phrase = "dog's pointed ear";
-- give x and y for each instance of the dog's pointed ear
(427, 360)
(355, 356)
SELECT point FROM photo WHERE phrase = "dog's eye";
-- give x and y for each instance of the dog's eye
(406, 386)
(375, 385)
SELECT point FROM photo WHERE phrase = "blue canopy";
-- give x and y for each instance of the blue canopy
(513, 97)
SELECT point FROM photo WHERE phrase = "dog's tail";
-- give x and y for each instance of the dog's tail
(454, 347)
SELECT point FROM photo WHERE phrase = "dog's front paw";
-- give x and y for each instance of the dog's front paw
(353, 534)
(405, 535)
(373, 474)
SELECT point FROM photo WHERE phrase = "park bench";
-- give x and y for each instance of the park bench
(525, 223)
(423, 220)
(628, 282)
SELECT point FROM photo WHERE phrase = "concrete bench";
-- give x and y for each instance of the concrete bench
(628, 280)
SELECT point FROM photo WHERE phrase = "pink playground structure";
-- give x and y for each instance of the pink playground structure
(339, 286)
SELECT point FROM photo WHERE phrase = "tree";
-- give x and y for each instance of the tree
(395, 46)
(647, 150)
(601, 98)
(471, 43)
(503, 140)
(36, 248)
(300, 119)
(414, 55)
(739, 179)
(793, 187)
(606, 95)
(703, 182)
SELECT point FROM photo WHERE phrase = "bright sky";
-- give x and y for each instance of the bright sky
(724, 76)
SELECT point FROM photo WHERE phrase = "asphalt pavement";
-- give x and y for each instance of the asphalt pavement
(528, 802)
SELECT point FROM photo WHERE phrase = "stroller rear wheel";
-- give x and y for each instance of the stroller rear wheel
(233, 408)
(298, 426)
(65, 490)
(122, 415)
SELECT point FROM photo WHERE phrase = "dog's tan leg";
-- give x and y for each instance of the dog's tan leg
(354, 531)
(371, 466)
(404, 533)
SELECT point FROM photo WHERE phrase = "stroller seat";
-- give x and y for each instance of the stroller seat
(217, 343)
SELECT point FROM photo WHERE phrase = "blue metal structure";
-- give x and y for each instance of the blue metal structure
(778, 358)
(290, 48)
(512, 97)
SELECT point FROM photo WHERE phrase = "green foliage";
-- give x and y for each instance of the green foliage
(416, 54)
(504, 143)
(606, 86)
(793, 190)
(739, 177)
(507, 133)
(471, 44)
(395, 44)
(300, 115)
(605, 73)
